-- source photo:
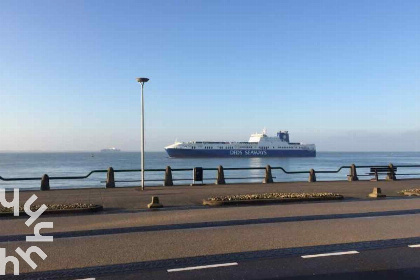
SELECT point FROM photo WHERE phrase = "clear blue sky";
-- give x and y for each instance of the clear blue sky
(341, 74)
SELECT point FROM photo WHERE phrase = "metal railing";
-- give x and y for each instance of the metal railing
(352, 176)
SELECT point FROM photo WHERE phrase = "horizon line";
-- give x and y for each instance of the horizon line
(160, 151)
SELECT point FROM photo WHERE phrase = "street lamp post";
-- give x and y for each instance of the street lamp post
(142, 81)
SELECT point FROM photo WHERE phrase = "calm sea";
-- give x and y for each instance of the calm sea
(79, 164)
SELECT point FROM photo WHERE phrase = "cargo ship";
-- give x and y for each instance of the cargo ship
(258, 145)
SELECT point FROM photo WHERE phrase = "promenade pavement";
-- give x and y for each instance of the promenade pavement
(132, 198)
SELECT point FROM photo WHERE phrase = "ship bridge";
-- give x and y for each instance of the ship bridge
(262, 137)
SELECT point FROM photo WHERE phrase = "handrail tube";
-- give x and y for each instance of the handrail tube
(206, 169)
(372, 166)
(78, 177)
(289, 172)
(320, 171)
(182, 169)
(54, 178)
(154, 170)
(138, 170)
(20, 179)
(326, 171)
(244, 168)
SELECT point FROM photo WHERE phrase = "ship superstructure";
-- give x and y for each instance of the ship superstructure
(258, 145)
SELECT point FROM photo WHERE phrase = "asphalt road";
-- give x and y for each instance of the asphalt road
(396, 259)
(257, 243)
(100, 250)
(389, 263)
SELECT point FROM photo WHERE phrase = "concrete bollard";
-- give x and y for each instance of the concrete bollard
(353, 174)
(110, 179)
(45, 183)
(312, 176)
(391, 173)
(268, 176)
(376, 192)
(220, 176)
(168, 177)
(155, 203)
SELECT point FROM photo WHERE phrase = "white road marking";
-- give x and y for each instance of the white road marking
(202, 267)
(87, 279)
(330, 254)
(414, 246)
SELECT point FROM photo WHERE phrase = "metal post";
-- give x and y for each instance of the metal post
(268, 176)
(168, 177)
(391, 173)
(142, 136)
(142, 81)
(110, 179)
(45, 183)
(220, 180)
(312, 176)
(353, 174)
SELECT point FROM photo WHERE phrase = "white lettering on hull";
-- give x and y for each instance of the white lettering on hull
(248, 153)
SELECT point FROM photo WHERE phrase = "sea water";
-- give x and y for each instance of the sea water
(14, 165)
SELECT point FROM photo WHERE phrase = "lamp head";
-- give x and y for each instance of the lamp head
(142, 80)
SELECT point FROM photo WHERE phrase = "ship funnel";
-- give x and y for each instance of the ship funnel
(283, 135)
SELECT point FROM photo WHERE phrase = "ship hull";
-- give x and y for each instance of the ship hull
(191, 153)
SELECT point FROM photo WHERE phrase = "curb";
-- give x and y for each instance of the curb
(95, 208)
(268, 201)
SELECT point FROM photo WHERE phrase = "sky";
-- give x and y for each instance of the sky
(343, 75)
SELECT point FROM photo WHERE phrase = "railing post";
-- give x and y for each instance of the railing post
(353, 174)
(391, 173)
(110, 180)
(312, 176)
(220, 176)
(268, 176)
(168, 177)
(376, 176)
(45, 183)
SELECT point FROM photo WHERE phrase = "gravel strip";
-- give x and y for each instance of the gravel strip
(51, 207)
(410, 192)
(271, 196)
